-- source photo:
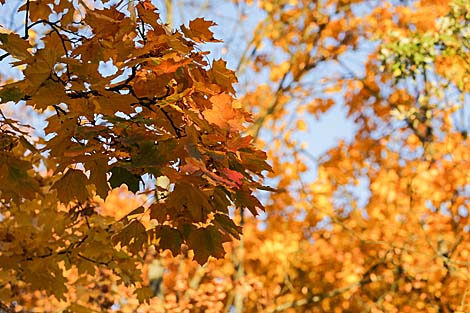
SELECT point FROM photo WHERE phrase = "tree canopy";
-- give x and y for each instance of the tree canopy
(132, 196)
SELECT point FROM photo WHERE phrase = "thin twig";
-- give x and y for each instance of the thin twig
(3, 56)
(26, 27)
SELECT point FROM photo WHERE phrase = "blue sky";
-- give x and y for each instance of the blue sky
(322, 134)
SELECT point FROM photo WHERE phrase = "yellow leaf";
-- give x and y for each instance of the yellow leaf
(301, 125)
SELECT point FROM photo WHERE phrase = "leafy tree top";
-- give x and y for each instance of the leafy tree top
(163, 111)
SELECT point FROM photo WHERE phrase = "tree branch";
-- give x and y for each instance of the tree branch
(26, 27)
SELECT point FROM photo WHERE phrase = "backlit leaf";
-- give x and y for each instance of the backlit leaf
(199, 30)
(72, 180)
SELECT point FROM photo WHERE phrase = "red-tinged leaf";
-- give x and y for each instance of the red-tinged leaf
(233, 175)
(72, 186)
(199, 30)
(148, 119)
(206, 242)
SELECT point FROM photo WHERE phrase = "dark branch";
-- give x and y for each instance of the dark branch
(172, 123)
(3, 56)
(26, 27)
(93, 261)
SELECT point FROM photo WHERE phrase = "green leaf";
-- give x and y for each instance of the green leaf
(121, 176)
(10, 93)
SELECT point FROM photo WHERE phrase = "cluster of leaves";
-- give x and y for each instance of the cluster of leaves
(160, 110)
(378, 223)
(411, 52)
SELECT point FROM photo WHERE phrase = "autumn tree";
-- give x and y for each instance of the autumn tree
(384, 225)
(379, 222)
(127, 102)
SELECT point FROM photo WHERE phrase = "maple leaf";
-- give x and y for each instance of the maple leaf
(238, 143)
(169, 238)
(72, 180)
(133, 236)
(121, 176)
(36, 10)
(15, 46)
(255, 161)
(222, 76)
(98, 170)
(147, 12)
(14, 177)
(246, 200)
(143, 294)
(195, 200)
(43, 63)
(163, 113)
(223, 114)
(233, 175)
(206, 242)
(199, 30)
(105, 22)
(225, 223)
